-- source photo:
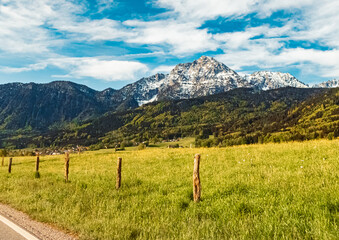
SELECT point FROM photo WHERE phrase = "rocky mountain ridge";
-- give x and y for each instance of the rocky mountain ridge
(202, 77)
(334, 83)
(265, 80)
(40, 106)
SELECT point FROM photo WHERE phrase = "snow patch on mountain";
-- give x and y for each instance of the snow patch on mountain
(142, 102)
(334, 83)
(143, 91)
(202, 77)
(265, 80)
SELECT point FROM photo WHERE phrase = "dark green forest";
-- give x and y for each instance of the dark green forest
(240, 116)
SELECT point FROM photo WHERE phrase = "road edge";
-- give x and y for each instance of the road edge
(17, 228)
(35, 228)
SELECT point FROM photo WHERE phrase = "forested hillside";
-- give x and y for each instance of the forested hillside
(240, 116)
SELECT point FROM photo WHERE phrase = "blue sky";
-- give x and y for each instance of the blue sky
(110, 43)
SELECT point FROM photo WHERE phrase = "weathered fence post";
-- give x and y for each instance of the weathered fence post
(3, 161)
(66, 166)
(10, 165)
(118, 183)
(37, 163)
(196, 179)
(37, 174)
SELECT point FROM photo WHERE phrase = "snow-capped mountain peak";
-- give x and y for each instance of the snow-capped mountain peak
(266, 80)
(204, 76)
(334, 83)
(143, 91)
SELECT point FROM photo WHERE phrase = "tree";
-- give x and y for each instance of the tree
(141, 146)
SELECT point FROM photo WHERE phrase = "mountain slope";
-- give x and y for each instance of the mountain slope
(329, 84)
(202, 77)
(143, 91)
(265, 80)
(238, 113)
(236, 117)
(38, 106)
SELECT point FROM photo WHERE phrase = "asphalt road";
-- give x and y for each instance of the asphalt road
(16, 225)
(7, 233)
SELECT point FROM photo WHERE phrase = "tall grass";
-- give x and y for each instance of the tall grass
(271, 191)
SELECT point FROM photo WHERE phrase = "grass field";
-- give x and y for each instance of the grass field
(271, 191)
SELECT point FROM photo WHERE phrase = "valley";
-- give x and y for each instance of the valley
(196, 99)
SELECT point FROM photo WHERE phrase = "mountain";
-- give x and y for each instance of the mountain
(202, 77)
(143, 91)
(238, 116)
(39, 106)
(329, 84)
(265, 80)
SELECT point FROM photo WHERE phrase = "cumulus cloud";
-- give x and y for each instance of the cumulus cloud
(317, 62)
(94, 30)
(42, 28)
(24, 24)
(319, 23)
(163, 69)
(181, 38)
(108, 70)
(206, 10)
(35, 26)
(30, 67)
(105, 4)
(201, 9)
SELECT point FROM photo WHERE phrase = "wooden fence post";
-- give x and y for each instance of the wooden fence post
(196, 179)
(3, 161)
(66, 166)
(118, 183)
(10, 165)
(37, 163)
(37, 174)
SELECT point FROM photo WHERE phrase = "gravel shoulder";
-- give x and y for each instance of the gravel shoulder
(40, 230)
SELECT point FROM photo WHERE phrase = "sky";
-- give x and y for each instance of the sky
(111, 43)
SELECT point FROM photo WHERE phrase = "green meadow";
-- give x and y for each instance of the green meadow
(269, 191)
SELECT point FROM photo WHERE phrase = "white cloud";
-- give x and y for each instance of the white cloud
(267, 7)
(108, 70)
(23, 24)
(203, 10)
(30, 67)
(34, 28)
(163, 69)
(317, 62)
(105, 4)
(268, 47)
(320, 23)
(29, 26)
(181, 38)
(94, 30)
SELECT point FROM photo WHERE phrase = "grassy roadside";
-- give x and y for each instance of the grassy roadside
(271, 191)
